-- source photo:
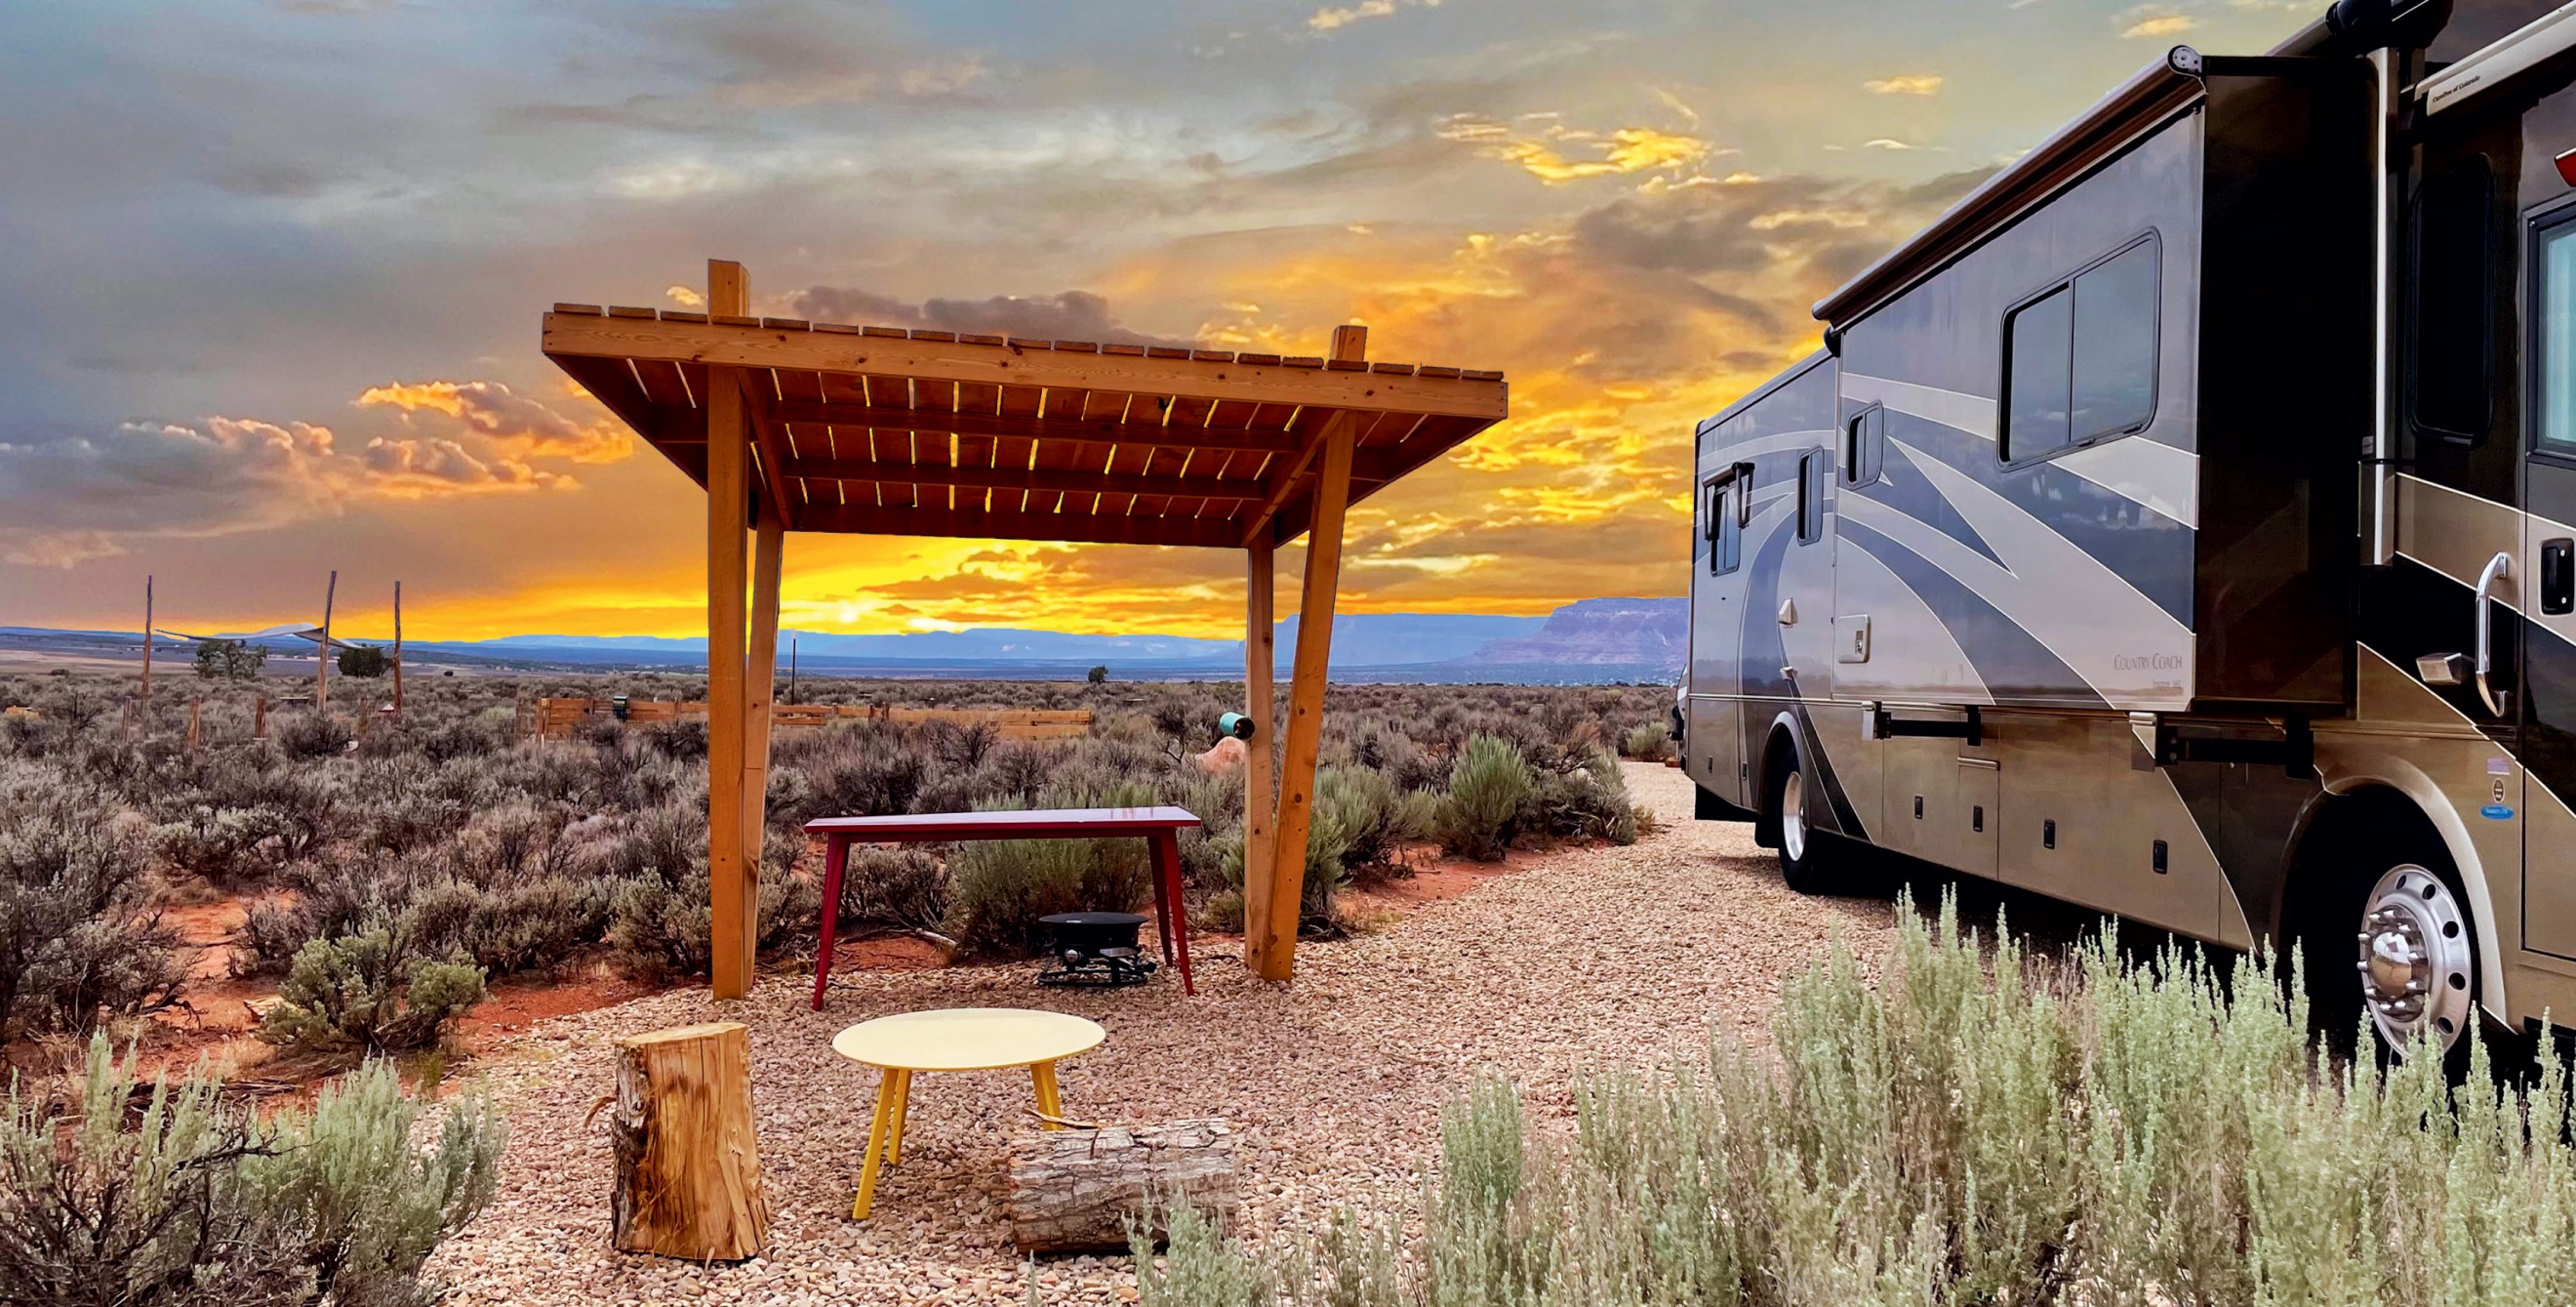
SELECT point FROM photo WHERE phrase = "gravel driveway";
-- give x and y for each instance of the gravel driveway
(1336, 1082)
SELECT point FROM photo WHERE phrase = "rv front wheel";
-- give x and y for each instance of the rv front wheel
(2385, 934)
(1806, 854)
(2416, 959)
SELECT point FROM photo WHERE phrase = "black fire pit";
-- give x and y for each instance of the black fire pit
(1096, 948)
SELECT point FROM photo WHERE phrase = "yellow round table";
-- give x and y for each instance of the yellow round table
(955, 1039)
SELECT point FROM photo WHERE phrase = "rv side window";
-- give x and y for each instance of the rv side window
(1811, 496)
(1724, 495)
(2080, 358)
(2554, 261)
(2450, 339)
(1864, 446)
(1725, 539)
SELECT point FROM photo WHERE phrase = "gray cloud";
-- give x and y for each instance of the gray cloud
(1066, 315)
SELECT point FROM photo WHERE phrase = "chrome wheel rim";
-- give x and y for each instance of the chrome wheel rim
(2416, 959)
(1793, 816)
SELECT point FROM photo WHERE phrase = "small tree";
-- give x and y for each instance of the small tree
(230, 660)
(364, 661)
(1099, 676)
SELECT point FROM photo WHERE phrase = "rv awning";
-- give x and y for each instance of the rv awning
(881, 430)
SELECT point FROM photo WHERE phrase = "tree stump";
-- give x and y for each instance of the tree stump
(1076, 1190)
(688, 1160)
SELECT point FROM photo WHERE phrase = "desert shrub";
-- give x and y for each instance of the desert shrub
(169, 1194)
(469, 735)
(1652, 742)
(310, 735)
(680, 741)
(1488, 787)
(365, 662)
(368, 993)
(1374, 818)
(1960, 1125)
(1590, 802)
(660, 922)
(870, 782)
(79, 937)
(998, 889)
(224, 846)
(899, 888)
(332, 898)
(664, 931)
(508, 928)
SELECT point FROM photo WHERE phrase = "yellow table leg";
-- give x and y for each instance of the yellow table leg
(887, 1088)
(1042, 1074)
(902, 1105)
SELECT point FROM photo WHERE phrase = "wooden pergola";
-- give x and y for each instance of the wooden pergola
(809, 426)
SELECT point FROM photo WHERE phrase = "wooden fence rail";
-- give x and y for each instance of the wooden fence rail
(555, 718)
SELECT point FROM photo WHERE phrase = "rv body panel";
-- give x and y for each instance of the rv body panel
(2071, 613)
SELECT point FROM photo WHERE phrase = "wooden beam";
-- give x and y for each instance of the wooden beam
(1000, 524)
(582, 335)
(1272, 952)
(768, 545)
(1280, 486)
(733, 892)
(1001, 478)
(1106, 431)
(1260, 778)
(771, 440)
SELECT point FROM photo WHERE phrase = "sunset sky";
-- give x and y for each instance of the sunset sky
(275, 271)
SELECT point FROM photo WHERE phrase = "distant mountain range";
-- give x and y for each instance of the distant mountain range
(1594, 639)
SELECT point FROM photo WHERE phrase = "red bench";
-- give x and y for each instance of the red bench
(1158, 827)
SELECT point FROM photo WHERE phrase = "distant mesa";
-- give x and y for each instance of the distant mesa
(1591, 640)
(1603, 632)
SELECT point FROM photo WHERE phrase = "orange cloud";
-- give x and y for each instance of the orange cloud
(509, 421)
(1623, 150)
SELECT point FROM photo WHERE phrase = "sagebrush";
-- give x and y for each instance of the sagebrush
(160, 1193)
(1972, 1126)
(467, 846)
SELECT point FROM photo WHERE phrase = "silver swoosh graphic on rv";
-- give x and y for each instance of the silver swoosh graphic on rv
(1917, 649)
(2084, 612)
(1779, 442)
(2157, 475)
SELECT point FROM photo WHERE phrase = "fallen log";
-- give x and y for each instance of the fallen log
(1076, 1190)
(688, 1159)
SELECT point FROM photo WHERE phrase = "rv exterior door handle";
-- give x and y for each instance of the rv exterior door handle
(2497, 701)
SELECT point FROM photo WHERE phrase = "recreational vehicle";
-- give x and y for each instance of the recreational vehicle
(2178, 526)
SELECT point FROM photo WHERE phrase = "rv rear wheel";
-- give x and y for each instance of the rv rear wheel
(1806, 854)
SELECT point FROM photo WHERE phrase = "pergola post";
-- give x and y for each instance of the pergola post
(1260, 788)
(759, 688)
(1273, 948)
(733, 896)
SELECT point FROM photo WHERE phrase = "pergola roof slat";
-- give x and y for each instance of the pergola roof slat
(1294, 380)
(928, 432)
